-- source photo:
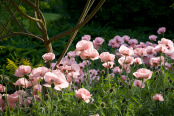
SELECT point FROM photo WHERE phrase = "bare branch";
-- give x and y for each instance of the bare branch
(13, 16)
(21, 33)
(79, 25)
(82, 17)
(25, 15)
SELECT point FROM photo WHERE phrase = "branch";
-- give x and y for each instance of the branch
(82, 17)
(79, 25)
(25, 15)
(12, 15)
(14, 18)
(21, 33)
(36, 8)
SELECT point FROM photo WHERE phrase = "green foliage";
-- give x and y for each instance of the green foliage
(126, 13)
(11, 66)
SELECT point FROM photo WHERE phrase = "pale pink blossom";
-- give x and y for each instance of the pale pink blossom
(138, 61)
(156, 61)
(107, 57)
(22, 70)
(2, 88)
(161, 48)
(22, 82)
(38, 73)
(22, 93)
(71, 54)
(83, 45)
(133, 41)
(143, 73)
(37, 88)
(126, 38)
(73, 70)
(86, 37)
(123, 77)
(113, 43)
(95, 115)
(118, 39)
(116, 70)
(142, 44)
(149, 43)
(140, 52)
(158, 97)
(168, 66)
(57, 78)
(150, 50)
(98, 42)
(161, 30)
(90, 53)
(126, 51)
(126, 60)
(153, 37)
(167, 43)
(108, 64)
(84, 94)
(138, 83)
(170, 54)
(48, 56)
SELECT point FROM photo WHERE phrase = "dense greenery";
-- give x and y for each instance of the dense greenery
(128, 13)
(138, 19)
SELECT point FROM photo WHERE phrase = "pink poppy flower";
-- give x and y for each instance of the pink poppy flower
(22, 70)
(126, 38)
(158, 97)
(108, 64)
(22, 93)
(71, 54)
(38, 72)
(138, 83)
(138, 61)
(22, 82)
(37, 88)
(170, 54)
(48, 56)
(90, 53)
(125, 51)
(84, 94)
(168, 66)
(73, 70)
(156, 61)
(118, 39)
(57, 78)
(86, 37)
(161, 30)
(149, 43)
(126, 60)
(167, 43)
(150, 50)
(2, 88)
(13, 98)
(107, 57)
(116, 70)
(113, 43)
(83, 45)
(98, 42)
(95, 115)
(140, 52)
(123, 77)
(143, 73)
(133, 41)
(153, 37)
(160, 48)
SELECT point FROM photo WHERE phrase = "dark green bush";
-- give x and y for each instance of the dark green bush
(127, 13)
